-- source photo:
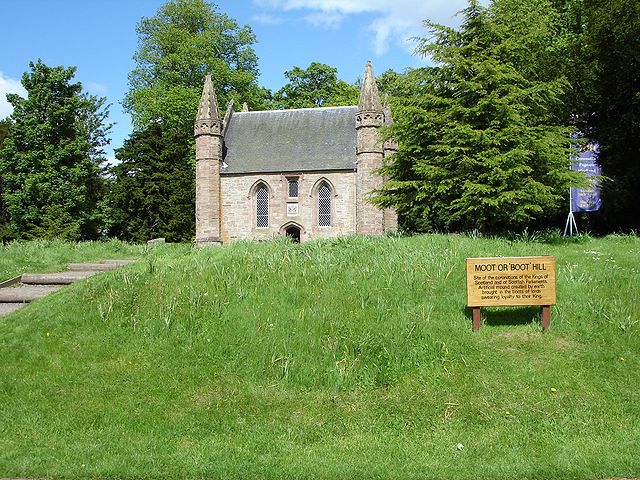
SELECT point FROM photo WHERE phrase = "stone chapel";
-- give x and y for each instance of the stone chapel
(306, 173)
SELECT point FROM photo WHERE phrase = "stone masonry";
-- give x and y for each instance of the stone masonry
(239, 204)
(336, 147)
(208, 133)
(369, 153)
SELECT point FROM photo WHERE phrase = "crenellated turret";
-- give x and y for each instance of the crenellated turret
(208, 133)
(370, 111)
(369, 155)
(208, 120)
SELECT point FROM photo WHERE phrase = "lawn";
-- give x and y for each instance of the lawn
(348, 358)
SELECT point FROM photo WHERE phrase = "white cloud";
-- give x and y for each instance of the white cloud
(9, 85)
(325, 19)
(268, 19)
(394, 21)
(96, 88)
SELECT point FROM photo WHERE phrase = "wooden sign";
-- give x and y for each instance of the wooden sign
(511, 281)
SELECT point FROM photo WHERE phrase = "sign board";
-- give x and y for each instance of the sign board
(587, 199)
(511, 281)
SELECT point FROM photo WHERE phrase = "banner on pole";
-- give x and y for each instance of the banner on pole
(587, 199)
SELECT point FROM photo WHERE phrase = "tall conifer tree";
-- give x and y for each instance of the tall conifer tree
(153, 192)
(480, 144)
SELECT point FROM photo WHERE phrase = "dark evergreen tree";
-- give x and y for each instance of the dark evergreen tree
(153, 187)
(481, 144)
(611, 52)
(51, 161)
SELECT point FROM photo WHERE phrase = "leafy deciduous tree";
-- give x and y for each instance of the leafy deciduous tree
(316, 86)
(185, 40)
(51, 161)
(4, 130)
(5, 232)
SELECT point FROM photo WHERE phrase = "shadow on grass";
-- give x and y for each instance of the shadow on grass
(500, 316)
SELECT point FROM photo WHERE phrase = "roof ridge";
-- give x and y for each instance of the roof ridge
(298, 109)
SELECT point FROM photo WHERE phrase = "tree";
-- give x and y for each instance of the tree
(611, 53)
(153, 189)
(5, 231)
(480, 142)
(185, 40)
(5, 124)
(317, 86)
(51, 161)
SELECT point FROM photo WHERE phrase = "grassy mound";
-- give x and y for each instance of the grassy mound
(44, 256)
(350, 358)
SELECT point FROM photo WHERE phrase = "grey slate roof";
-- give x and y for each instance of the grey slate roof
(291, 140)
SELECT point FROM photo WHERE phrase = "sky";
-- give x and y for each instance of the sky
(98, 37)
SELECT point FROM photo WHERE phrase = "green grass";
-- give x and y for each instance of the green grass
(44, 256)
(350, 358)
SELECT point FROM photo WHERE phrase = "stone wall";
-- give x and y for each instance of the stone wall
(208, 154)
(239, 209)
(370, 219)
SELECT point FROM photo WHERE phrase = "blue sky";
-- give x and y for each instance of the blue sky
(98, 37)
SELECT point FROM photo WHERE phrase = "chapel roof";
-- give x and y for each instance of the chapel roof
(291, 140)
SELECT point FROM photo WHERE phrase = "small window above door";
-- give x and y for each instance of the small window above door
(292, 187)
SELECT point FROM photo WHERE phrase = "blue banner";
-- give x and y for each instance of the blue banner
(587, 199)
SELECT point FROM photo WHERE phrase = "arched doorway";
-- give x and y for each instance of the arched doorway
(293, 233)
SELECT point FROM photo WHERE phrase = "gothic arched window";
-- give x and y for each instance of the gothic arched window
(324, 205)
(262, 207)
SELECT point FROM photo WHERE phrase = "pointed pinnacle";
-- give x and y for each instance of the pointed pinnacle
(230, 108)
(208, 109)
(369, 97)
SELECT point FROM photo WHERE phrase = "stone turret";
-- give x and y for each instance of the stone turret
(208, 134)
(369, 155)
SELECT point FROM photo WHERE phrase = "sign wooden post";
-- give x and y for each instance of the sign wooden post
(511, 281)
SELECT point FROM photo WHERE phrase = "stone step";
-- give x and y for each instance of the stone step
(96, 267)
(9, 307)
(26, 293)
(10, 282)
(15, 292)
(60, 278)
(117, 262)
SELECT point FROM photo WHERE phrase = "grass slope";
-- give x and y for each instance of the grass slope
(350, 358)
(44, 256)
